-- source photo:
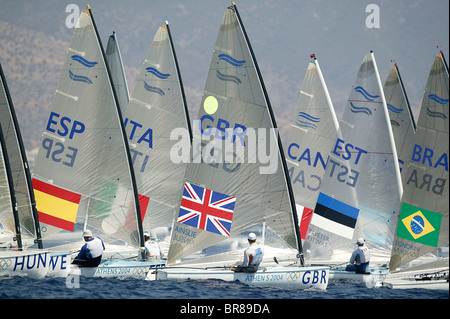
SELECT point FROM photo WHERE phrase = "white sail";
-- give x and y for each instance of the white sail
(27, 214)
(423, 222)
(119, 80)
(229, 187)
(361, 190)
(83, 175)
(402, 120)
(157, 108)
(311, 138)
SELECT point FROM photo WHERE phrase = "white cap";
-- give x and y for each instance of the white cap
(251, 236)
(87, 233)
(360, 241)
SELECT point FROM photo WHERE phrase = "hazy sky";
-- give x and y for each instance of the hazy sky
(283, 34)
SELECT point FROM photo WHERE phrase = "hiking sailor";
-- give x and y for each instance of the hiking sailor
(91, 253)
(359, 261)
(253, 256)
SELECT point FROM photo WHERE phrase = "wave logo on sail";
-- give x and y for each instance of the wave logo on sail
(153, 89)
(307, 120)
(157, 73)
(365, 94)
(229, 78)
(80, 78)
(83, 61)
(206, 209)
(438, 99)
(229, 59)
(360, 109)
(419, 225)
(394, 109)
(431, 113)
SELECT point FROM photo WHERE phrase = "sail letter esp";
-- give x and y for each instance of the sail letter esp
(419, 225)
(56, 206)
(335, 216)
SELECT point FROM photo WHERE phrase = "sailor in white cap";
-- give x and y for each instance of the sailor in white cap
(91, 253)
(152, 248)
(253, 256)
(359, 261)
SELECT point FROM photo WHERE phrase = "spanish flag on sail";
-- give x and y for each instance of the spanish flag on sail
(56, 206)
(419, 225)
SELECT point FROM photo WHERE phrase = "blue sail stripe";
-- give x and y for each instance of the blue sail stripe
(393, 108)
(438, 99)
(231, 60)
(436, 114)
(153, 89)
(367, 95)
(361, 109)
(79, 78)
(157, 73)
(83, 61)
(309, 117)
(226, 77)
(306, 124)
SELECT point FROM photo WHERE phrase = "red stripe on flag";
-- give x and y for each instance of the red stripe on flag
(304, 223)
(143, 203)
(55, 221)
(56, 191)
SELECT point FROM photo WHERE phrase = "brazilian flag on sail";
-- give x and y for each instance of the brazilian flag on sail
(419, 225)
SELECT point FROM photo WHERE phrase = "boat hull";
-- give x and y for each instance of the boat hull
(438, 284)
(372, 279)
(117, 269)
(279, 277)
(33, 264)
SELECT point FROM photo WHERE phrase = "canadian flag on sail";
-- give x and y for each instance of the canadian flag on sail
(304, 217)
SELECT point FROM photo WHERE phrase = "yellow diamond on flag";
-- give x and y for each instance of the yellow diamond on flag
(417, 225)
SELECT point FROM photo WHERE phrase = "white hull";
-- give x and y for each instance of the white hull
(33, 264)
(279, 277)
(372, 279)
(436, 284)
(117, 269)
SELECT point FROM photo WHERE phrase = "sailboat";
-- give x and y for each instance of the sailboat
(115, 64)
(402, 119)
(228, 190)
(19, 225)
(423, 223)
(311, 138)
(157, 110)
(361, 189)
(83, 176)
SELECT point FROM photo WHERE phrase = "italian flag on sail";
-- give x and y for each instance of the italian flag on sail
(56, 206)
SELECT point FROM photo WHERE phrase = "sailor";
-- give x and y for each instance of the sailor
(359, 261)
(91, 253)
(152, 248)
(253, 256)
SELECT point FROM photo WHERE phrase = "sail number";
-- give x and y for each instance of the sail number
(62, 126)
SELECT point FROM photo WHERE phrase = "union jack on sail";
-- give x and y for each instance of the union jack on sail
(206, 209)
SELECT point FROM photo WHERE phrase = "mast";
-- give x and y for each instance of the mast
(445, 61)
(406, 98)
(280, 147)
(186, 111)
(127, 147)
(24, 159)
(11, 190)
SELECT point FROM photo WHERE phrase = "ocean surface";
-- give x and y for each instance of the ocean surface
(112, 288)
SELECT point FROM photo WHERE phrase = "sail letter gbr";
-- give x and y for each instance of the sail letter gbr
(56, 206)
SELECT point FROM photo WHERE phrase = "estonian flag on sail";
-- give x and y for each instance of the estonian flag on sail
(335, 216)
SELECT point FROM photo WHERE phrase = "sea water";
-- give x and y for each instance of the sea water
(205, 298)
